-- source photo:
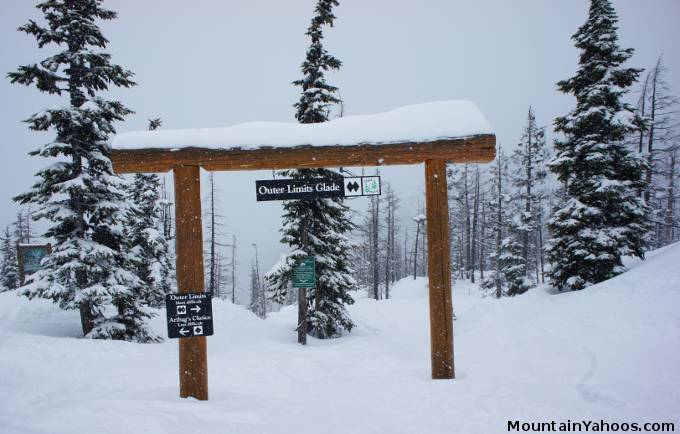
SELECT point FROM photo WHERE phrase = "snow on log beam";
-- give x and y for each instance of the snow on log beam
(453, 131)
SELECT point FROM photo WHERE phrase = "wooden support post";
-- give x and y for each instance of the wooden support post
(439, 269)
(193, 361)
(302, 316)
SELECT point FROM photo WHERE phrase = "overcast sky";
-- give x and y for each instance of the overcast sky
(209, 63)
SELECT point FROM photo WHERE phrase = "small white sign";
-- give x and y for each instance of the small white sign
(181, 310)
(370, 185)
(353, 186)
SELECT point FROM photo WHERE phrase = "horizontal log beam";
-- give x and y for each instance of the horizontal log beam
(475, 149)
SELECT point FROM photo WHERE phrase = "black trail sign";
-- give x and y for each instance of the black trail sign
(189, 315)
(291, 189)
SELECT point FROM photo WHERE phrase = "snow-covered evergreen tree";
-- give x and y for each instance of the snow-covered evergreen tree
(317, 227)
(601, 218)
(79, 194)
(459, 187)
(257, 295)
(512, 263)
(23, 232)
(155, 123)
(9, 268)
(419, 246)
(376, 254)
(494, 283)
(391, 258)
(318, 97)
(528, 175)
(148, 247)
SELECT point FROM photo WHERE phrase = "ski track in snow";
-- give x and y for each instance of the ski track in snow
(609, 352)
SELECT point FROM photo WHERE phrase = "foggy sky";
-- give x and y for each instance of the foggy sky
(209, 63)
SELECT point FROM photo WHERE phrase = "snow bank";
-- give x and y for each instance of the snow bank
(610, 352)
(414, 123)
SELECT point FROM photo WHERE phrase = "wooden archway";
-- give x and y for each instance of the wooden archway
(186, 163)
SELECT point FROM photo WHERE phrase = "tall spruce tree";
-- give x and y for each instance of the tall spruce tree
(89, 268)
(257, 296)
(23, 232)
(318, 97)
(511, 261)
(495, 282)
(9, 268)
(600, 218)
(148, 246)
(528, 175)
(318, 227)
(459, 186)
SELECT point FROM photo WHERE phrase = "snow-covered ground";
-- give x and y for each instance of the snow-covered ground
(611, 352)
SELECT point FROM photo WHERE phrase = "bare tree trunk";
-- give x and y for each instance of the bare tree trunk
(415, 255)
(167, 213)
(388, 256)
(466, 204)
(499, 222)
(643, 103)
(475, 213)
(393, 242)
(650, 137)
(669, 222)
(218, 275)
(211, 261)
(423, 251)
(406, 264)
(375, 209)
(539, 248)
(28, 225)
(233, 269)
(461, 259)
(482, 238)
(527, 203)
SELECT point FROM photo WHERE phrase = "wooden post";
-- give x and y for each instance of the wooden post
(302, 292)
(193, 362)
(302, 316)
(439, 269)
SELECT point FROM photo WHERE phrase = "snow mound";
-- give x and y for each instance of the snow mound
(610, 352)
(413, 123)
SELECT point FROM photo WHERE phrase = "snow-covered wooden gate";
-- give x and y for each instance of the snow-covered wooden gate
(433, 134)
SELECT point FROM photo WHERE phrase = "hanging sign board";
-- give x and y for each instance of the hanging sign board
(189, 315)
(317, 188)
(29, 258)
(304, 273)
(362, 186)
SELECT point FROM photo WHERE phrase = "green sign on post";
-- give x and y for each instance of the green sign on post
(304, 273)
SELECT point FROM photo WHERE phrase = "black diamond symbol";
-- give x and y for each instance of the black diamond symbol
(353, 186)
